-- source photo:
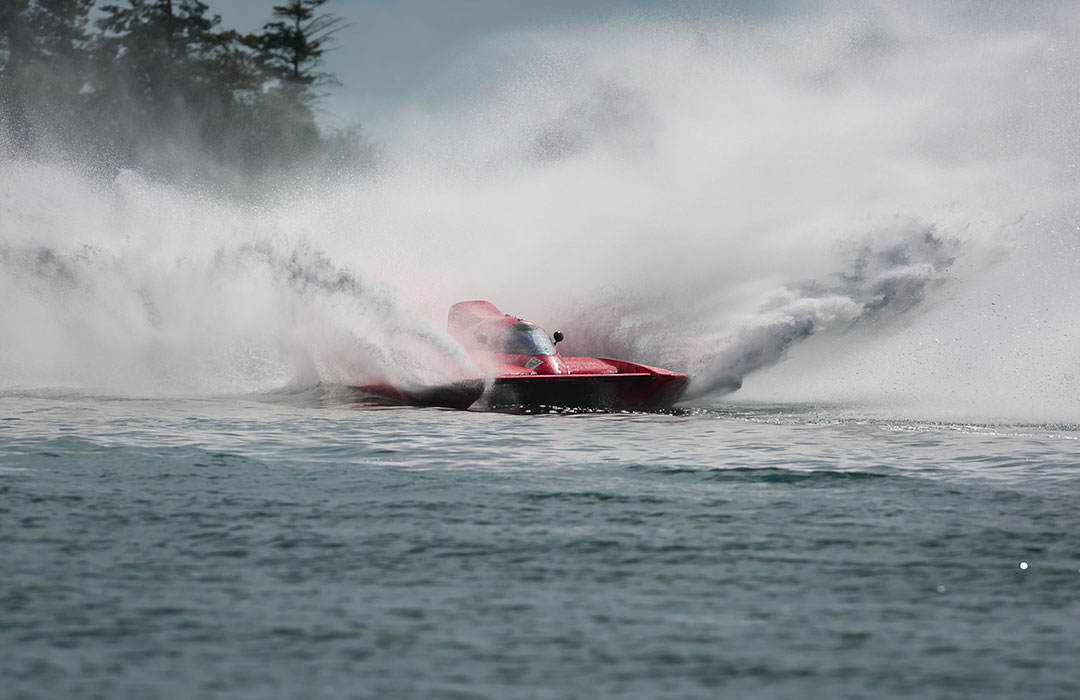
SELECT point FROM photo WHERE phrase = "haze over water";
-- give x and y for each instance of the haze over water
(869, 214)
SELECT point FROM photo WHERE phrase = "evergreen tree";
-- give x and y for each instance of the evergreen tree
(15, 52)
(175, 89)
(292, 47)
(61, 29)
(162, 88)
(44, 49)
(151, 53)
(14, 39)
(61, 69)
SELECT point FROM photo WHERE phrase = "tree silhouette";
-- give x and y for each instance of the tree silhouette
(292, 47)
(163, 88)
(44, 52)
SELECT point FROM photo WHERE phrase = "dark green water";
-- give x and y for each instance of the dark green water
(254, 549)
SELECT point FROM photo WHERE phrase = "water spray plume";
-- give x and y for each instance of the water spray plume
(168, 293)
(801, 206)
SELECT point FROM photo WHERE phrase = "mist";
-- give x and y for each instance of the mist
(873, 206)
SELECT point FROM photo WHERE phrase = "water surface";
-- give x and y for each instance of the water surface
(285, 546)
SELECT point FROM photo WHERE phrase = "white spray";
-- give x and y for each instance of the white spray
(802, 204)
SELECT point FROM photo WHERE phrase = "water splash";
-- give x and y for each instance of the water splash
(889, 273)
(819, 206)
(217, 303)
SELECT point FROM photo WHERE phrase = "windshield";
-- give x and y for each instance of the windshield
(525, 339)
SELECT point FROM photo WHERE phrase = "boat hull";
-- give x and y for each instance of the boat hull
(521, 367)
(622, 391)
(461, 395)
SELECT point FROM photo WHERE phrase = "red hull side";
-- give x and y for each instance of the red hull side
(611, 391)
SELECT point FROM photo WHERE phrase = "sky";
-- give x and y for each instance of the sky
(393, 52)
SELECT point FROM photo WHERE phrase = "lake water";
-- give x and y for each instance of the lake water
(283, 546)
(869, 213)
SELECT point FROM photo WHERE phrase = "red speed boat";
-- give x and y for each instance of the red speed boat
(522, 367)
(526, 369)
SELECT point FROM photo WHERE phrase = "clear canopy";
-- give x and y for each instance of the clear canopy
(525, 339)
